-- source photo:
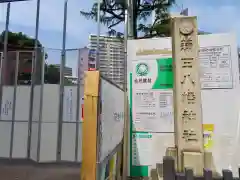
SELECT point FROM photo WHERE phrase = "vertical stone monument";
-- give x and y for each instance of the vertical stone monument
(187, 95)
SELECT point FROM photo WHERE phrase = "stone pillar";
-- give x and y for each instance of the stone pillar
(187, 94)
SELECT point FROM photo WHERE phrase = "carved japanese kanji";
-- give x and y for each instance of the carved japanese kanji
(188, 115)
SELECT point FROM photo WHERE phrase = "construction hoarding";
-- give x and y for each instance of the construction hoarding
(102, 128)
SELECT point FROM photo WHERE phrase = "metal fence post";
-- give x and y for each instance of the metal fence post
(126, 121)
(98, 166)
(42, 59)
(78, 106)
(33, 79)
(14, 103)
(61, 87)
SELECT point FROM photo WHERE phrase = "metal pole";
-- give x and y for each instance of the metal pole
(98, 145)
(40, 105)
(5, 52)
(61, 87)
(4, 59)
(14, 103)
(33, 79)
(78, 106)
(126, 121)
(98, 34)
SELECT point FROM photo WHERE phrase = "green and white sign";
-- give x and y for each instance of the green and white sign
(151, 109)
(152, 82)
(140, 158)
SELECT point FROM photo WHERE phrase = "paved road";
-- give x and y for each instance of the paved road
(33, 171)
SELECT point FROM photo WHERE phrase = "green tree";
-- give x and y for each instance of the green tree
(52, 75)
(20, 41)
(113, 14)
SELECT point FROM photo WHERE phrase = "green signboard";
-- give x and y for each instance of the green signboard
(154, 76)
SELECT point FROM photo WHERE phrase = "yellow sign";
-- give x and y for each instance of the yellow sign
(208, 130)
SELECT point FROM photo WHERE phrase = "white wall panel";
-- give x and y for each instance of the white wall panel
(70, 104)
(68, 141)
(48, 146)
(111, 117)
(50, 103)
(20, 140)
(22, 103)
(7, 103)
(5, 131)
(36, 103)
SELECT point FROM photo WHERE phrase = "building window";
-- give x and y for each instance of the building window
(91, 65)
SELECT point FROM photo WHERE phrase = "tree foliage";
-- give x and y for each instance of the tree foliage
(20, 41)
(113, 14)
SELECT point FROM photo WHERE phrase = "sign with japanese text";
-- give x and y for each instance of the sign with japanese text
(187, 91)
(150, 89)
(152, 83)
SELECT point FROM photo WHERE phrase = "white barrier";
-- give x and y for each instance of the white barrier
(102, 147)
(46, 134)
(112, 117)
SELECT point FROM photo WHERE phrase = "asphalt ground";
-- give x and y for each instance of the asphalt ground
(28, 170)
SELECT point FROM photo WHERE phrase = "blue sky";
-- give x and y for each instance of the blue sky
(213, 16)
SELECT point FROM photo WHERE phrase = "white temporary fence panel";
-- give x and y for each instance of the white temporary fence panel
(150, 96)
(49, 129)
(20, 138)
(68, 142)
(7, 103)
(48, 142)
(36, 103)
(111, 118)
(5, 137)
(50, 108)
(22, 103)
(47, 132)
